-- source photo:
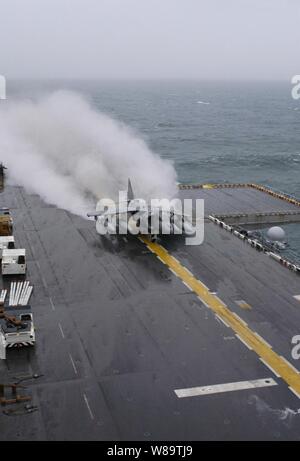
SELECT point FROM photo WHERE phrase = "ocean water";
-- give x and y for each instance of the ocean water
(211, 131)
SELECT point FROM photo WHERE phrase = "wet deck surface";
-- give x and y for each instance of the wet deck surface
(238, 200)
(117, 332)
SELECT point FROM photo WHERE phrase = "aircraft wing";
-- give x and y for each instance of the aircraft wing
(173, 212)
(100, 213)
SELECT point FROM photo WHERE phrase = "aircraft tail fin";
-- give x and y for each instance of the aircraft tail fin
(130, 195)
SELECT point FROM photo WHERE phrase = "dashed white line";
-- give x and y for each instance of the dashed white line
(61, 330)
(52, 304)
(189, 272)
(268, 366)
(149, 248)
(158, 257)
(205, 286)
(173, 272)
(263, 340)
(244, 342)
(203, 302)
(88, 406)
(289, 364)
(241, 320)
(73, 364)
(187, 286)
(223, 321)
(294, 392)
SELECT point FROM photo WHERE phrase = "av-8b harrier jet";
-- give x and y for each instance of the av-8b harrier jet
(135, 216)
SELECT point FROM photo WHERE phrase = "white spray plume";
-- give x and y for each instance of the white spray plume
(71, 155)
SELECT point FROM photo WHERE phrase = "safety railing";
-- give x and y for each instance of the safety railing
(255, 244)
(281, 195)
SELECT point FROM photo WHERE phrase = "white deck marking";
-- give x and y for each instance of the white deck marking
(228, 387)
(240, 327)
(52, 304)
(269, 366)
(297, 297)
(88, 406)
(205, 286)
(187, 285)
(289, 363)
(239, 319)
(221, 320)
(203, 302)
(244, 342)
(61, 331)
(173, 272)
(44, 282)
(188, 271)
(263, 340)
(243, 304)
(73, 364)
(294, 392)
(158, 257)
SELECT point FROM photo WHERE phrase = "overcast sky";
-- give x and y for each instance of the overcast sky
(207, 39)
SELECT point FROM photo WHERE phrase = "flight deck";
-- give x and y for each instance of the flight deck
(138, 340)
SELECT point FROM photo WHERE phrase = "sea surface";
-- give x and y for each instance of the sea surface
(212, 131)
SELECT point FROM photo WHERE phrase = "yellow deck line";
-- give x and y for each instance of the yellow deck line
(257, 344)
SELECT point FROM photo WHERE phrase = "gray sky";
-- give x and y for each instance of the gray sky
(210, 39)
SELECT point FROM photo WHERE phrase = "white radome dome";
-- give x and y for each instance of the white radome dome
(276, 234)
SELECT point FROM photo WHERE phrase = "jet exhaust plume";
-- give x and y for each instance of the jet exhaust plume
(72, 155)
